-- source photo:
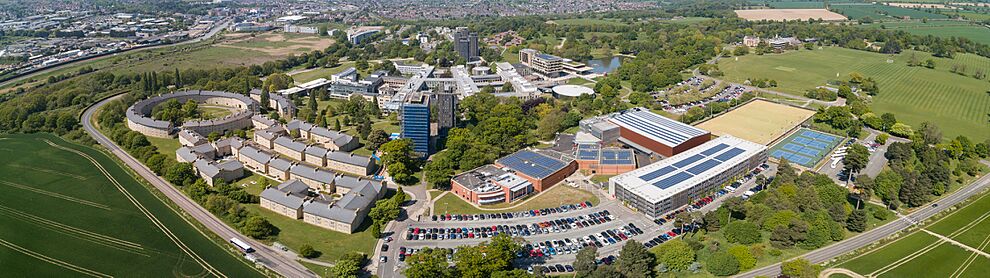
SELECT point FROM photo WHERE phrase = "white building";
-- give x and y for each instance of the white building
(668, 184)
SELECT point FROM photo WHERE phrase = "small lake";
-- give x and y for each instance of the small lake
(604, 64)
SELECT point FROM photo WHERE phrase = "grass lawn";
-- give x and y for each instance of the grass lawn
(166, 146)
(318, 73)
(939, 259)
(878, 11)
(554, 197)
(944, 29)
(64, 218)
(295, 233)
(601, 178)
(435, 193)
(320, 270)
(589, 21)
(958, 104)
(212, 112)
(252, 183)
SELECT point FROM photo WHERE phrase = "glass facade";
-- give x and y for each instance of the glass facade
(416, 126)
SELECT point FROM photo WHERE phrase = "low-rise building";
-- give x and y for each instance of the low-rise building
(280, 168)
(317, 179)
(488, 184)
(542, 168)
(350, 163)
(255, 158)
(190, 138)
(286, 198)
(287, 147)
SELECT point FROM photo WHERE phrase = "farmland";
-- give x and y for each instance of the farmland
(788, 14)
(958, 104)
(924, 251)
(64, 217)
(877, 11)
(942, 29)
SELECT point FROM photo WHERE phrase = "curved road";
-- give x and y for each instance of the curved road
(269, 257)
(829, 252)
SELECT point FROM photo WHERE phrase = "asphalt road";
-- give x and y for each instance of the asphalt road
(268, 256)
(827, 253)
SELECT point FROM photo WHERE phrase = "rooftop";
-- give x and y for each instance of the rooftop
(660, 180)
(532, 163)
(658, 128)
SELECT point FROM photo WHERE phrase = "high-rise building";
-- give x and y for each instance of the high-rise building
(446, 112)
(415, 115)
(466, 43)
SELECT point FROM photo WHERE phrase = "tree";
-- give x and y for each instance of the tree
(259, 227)
(722, 264)
(585, 264)
(882, 138)
(740, 50)
(856, 221)
(376, 138)
(439, 171)
(743, 255)
(346, 268)
(396, 156)
(887, 184)
(635, 261)
(888, 120)
(930, 133)
(856, 159)
(742, 232)
(675, 254)
(799, 268)
(482, 260)
(308, 252)
(429, 263)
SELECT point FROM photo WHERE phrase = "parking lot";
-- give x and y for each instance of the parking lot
(553, 235)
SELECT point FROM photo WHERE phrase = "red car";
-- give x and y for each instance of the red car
(671, 234)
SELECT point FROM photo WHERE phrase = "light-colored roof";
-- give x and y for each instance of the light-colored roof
(655, 127)
(290, 144)
(349, 158)
(572, 90)
(280, 164)
(186, 154)
(311, 173)
(255, 154)
(665, 178)
(291, 193)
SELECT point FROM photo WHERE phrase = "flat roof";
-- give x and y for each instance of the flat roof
(532, 164)
(660, 180)
(573, 90)
(658, 128)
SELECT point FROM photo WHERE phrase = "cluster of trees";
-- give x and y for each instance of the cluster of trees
(386, 210)
(54, 107)
(924, 168)
(489, 259)
(175, 112)
(397, 157)
(822, 94)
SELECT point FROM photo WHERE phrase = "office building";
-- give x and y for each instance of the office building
(666, 185)
(466, 43)
(415, 116)
(540, 167)
(446, 104)
(488, 185)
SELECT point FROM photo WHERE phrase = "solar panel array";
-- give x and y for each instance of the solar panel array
(532, 164)
(660, 128)
(616, 156)
(679, 171)
(588, 152)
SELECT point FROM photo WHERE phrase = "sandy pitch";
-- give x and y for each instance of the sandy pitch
(759, 121)
(788, 14)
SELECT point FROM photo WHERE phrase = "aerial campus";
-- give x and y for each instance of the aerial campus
(742, 138)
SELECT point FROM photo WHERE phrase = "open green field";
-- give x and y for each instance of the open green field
(64, 216)
(938, 28)
(797, 5)
(958, 104)
(321, 72)
(857, 10)
(560, 194)
(928, 255)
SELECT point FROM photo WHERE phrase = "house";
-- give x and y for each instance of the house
(286, 146)
(317, 179)
(190, 138)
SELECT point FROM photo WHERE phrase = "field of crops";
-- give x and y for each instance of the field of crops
(71, 211)
(926, 252)
(958, 104)
(938, 28)
(857, 10)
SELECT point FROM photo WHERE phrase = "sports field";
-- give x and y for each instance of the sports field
(955, 246)
(759, 121)
(71, 211)
(958, 104)
(805, 147)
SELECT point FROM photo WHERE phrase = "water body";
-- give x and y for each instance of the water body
(604, 64)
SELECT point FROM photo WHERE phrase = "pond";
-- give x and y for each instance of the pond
(604, 64)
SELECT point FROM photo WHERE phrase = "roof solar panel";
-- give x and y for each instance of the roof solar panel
(532, 164)
(652, 129)
(715, 149)
(701, 167)
(729, 154)
(671, 124)
(688, 161)
(657, 173)
(672, 180)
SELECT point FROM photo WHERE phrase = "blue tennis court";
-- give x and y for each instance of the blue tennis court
(805, 147)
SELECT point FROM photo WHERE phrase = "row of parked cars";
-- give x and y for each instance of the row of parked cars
(664, 237)
(545, 227)
(405, 252)
(550, 269)
(511, 215)
(573, 245)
